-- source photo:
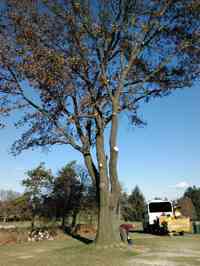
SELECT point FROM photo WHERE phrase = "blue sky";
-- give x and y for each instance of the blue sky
(162, 158)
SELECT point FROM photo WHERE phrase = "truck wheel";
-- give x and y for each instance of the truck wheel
(181, 233)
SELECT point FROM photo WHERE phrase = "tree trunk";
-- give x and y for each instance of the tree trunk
(115, 218)
(63, 221)
(33, 222)
(106, 233)
(107, 188)
(115, 186)
(74, 216)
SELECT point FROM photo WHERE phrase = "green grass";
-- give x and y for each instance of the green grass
(63, 252)
(27, 224)
(16, 224)
(150, 250)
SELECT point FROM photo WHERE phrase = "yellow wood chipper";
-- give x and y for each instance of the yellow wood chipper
(177, 223)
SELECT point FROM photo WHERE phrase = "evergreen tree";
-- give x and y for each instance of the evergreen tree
(194, 194)
(137, 203)
(132, 206)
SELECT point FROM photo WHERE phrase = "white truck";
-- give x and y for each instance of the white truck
(153, 211)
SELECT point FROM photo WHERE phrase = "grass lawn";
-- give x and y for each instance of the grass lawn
(27, 224)
(146, 250)
(62, 252)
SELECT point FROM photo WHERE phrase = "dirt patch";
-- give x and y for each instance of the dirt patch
(140, 249)
(181, 254)
(25, 257)
(41, 250)
(11, 236)
(165, 258)
(29, 256)
(167, 252)
(155, 262)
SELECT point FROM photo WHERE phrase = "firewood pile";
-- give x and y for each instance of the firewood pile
(39, 235)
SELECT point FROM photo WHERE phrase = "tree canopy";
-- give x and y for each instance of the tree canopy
(64, 61)
(193, 193)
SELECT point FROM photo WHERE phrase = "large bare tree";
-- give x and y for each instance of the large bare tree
(71, 67)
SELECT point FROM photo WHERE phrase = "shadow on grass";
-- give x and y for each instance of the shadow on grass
(82, 239)
(156, 233)
(137, 231)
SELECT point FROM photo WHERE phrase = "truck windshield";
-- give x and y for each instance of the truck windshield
(160, 207)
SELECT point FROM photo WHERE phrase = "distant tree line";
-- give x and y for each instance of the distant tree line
(13, 206)
(132, 205)
(190, 203)
(70, 193)
(60, 197)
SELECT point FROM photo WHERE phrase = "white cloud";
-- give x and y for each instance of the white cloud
(182, 185)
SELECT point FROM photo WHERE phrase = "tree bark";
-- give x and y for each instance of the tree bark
(63, 221)
(74, 216)
(107, 186)
(33, 222)
(115, 186)
(105, 233)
